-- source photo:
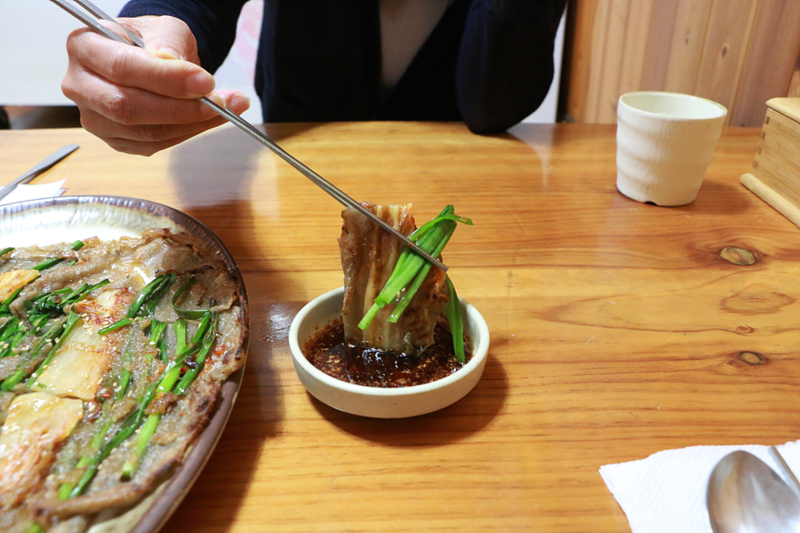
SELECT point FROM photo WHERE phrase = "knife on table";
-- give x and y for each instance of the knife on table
(38, 169)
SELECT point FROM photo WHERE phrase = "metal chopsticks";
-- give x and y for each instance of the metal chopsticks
(241, 123)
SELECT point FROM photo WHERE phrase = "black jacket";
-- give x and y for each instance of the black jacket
(487, 62)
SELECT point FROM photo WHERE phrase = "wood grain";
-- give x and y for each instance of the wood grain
(775, 176)
(581, 48)
(794, 82)
(724, 51)
(676, 35)
(774, 36)
(739, 53)
(618, 329)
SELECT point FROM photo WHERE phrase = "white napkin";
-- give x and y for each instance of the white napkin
(666, 493)
(34, 192)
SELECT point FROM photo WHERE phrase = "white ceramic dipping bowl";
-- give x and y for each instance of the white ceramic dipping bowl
(379, 402)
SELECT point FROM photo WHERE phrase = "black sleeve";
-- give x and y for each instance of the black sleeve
(505, 65)
(213, 23)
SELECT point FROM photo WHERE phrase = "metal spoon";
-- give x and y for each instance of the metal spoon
(744, 495)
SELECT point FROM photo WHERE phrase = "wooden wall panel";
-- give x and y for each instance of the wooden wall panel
(576, 89)
(616, 52)
(675, 45)
(739, 53)
(603, 54)
(633, 58)
(724, 50)
(794, 85)
(770, 62)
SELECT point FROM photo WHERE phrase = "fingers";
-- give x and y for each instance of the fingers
(130, 66)
(141, 101)
(147, 148)
(165, 37)
(147, 139)
(129, 105)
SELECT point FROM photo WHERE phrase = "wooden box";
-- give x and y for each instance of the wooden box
(775, 177)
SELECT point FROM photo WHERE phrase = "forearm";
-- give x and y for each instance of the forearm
(505, 65)
(213, 23)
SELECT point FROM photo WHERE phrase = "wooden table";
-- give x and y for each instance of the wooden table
(618, 329)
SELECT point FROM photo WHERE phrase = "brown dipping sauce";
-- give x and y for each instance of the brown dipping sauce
(361, 365)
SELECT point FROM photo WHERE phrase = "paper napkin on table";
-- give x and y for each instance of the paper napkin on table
(666, 492)
(34, 192)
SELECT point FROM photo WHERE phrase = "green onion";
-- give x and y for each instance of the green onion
(186, 313)
(53, 304)
(48, 263)
(412, 289)
(169, 377)
(125, 431)
(124, 382)
(77, 245)
(115, 326)
(149, 306)
(37, 324)
(206, 333)
(5, 307)
(157, 329)
(413, 262)
(12, 342)
(455, 320)
(78, 294)
(151, 293)
(200, 343)
(4, 251)
(179, 327)
(9, 328)
(442, 216)
(148, 428)
(145, 302)
(209, 336)
(64, 490)
(12, 380)
(203, 327)
(432, 237)
(411, 270)
(97, 441)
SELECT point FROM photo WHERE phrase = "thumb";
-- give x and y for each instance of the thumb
(165, 37)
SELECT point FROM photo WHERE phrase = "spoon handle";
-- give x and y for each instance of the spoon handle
(787, 472)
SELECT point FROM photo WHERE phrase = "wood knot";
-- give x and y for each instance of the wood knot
(753, 358)
(738, 256)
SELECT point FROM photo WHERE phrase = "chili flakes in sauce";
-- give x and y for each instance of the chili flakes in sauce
(366, 366)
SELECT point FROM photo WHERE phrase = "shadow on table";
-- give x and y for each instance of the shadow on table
(467, 416)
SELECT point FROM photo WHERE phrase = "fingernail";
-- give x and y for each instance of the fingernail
(166, 53)
(217, 99)
(200, 83)
(240, 100)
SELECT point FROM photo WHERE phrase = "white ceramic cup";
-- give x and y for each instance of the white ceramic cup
(665, 142)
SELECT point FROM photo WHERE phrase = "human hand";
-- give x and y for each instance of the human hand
(141, 101)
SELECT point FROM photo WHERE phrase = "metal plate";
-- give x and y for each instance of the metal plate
(68, 218)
